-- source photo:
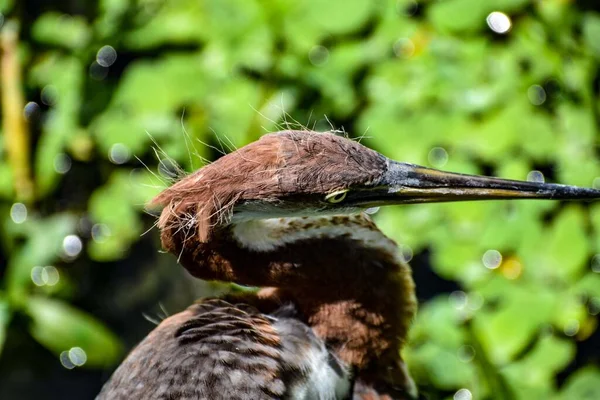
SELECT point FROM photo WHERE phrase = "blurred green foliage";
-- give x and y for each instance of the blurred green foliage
(428, 82)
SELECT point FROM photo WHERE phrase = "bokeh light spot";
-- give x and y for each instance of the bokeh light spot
(106, 56)
(594, 306)
(97, 71)
(571, 328)
(84, 226)
(536, 176)
(47, 275)
(119, 153)
(404, 48)
(437, 157)
(31, 111)
(100, 232)
(408, 8)
(318, 55)
(536, 95)
(49, 95)
(595, 264)
(466, 353)
(77, 356)
(65, 360)
(62, 163)
(499, 22)
(458, 299)
(72, 246)
(475, 301)
(18, 213)
(511, 268)
(406, 253)
(36, 276)
(50, 275)
(492, 259)
(463, 394)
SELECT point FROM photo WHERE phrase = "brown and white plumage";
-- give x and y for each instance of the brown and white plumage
(222, 350)
(320, 332)
(285, 214)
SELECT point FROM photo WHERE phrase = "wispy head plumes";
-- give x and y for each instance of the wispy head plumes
(158, 316)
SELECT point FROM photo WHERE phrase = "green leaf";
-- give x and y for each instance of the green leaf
(306, 23)
(582, 385)
(111, 14)
(459, 261)
(63, 76)
(5, 315)
(244, 40)
(59, 327)
(6, 181)
(588, 286)
(577, 162)
(178, 22)
(6, 6)
(440, 367)
(183, 79)
(533, 375)
(458, 15)
(62, 30)
(570, 313)
(240, 97)
(438, 322)
(42, 247)
(565, 250)
(134, 131)
(591, 32)
(115, 211)
(508, 328)
(496, 383)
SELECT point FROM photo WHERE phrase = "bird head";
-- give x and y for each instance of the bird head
(303, 173)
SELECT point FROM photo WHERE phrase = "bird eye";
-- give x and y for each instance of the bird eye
(337, 196)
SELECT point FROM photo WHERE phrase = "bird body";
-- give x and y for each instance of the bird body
(285, 214)
(222, 350)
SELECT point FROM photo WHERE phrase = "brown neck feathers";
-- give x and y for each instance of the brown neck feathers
(342, 273)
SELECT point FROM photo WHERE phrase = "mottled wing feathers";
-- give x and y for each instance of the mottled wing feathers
(217, 350)
(237, 352)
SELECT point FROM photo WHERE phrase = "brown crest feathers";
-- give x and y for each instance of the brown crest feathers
(278, 165)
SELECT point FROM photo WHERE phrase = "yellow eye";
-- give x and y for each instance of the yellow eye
(337, 196)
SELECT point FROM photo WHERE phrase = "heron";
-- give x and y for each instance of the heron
(286, 214)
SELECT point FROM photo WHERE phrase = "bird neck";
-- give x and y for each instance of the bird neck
(344, 276)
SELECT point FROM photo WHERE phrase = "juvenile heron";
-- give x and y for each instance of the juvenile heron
(285, 214)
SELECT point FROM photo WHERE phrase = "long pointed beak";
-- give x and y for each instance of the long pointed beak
(408, 183)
